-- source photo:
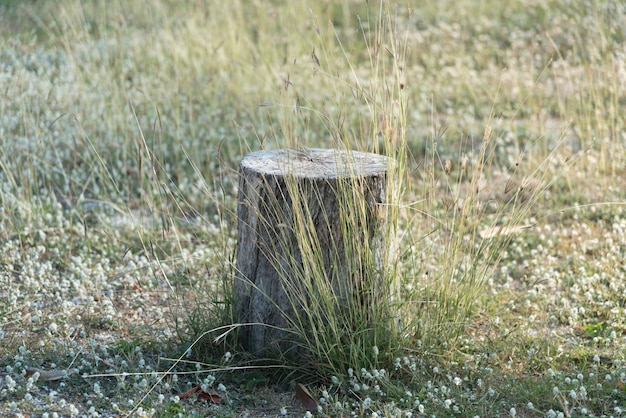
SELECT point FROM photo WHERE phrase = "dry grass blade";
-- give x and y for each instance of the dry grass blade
(503, 230)
(47, 375)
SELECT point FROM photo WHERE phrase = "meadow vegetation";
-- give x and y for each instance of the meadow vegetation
(121, 127)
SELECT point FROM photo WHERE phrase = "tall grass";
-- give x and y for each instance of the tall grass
(435, 265)
(144, 152)
(124, 113)
(350, 311)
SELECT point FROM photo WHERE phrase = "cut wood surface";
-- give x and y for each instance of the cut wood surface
(294, 203)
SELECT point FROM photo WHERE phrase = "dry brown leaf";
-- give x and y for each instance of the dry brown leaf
(503, 230)
(205, 396)
(305, 397)
(46, 375)
(211, 397)
(189, 393)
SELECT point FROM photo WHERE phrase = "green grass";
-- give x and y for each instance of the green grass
(121, 128)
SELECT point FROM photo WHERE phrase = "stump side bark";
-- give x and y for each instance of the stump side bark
(292, 199)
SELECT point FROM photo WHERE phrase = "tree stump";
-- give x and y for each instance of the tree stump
(310, 243)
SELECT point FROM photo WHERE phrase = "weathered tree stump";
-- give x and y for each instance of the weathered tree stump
(310, 223)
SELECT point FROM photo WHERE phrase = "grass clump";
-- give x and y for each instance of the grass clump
(122, 127)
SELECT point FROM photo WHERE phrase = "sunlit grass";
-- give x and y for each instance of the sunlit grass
(122, 124)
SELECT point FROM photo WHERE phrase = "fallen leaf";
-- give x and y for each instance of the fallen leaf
(189, 393)
(503, 230)
(305, 397)
(212, 397)
(46, 375)
(202, 395)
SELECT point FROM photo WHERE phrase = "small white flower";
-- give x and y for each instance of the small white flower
(10, 383)
(512, 412)
(375, 350)
(283, 411)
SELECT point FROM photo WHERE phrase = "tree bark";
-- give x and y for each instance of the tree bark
(310, 229)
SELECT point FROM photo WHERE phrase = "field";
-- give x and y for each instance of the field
(122, 124)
